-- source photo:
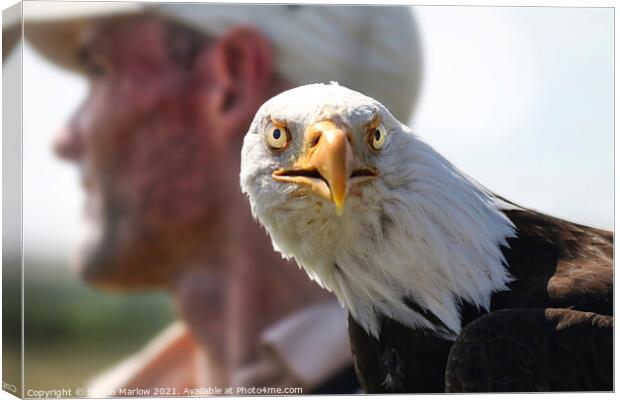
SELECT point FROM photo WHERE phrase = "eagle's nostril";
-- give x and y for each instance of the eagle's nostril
(316, 139)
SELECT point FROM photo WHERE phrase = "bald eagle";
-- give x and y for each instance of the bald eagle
(448, 286)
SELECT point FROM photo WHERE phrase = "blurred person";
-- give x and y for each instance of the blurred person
(172, 89)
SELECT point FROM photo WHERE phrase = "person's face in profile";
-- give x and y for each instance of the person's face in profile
(148, 171)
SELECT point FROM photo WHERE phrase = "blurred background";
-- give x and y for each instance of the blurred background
(519, 98)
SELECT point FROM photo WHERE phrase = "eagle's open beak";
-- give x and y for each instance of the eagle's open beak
(327, 164)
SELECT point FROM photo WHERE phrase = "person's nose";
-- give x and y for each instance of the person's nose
(68, 143)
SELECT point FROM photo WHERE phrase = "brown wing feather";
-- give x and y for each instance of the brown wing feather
(554, 329)
(533, 349)
(557, 263)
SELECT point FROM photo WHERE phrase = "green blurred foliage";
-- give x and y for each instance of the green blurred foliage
(11, 324)
(73, 332)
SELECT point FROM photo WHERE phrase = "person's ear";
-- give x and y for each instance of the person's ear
(240, 69)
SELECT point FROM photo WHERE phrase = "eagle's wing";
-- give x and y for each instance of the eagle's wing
(557, 264)
(533, 349)
(553, 329)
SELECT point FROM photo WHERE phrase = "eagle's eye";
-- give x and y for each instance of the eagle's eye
(378, 137)
(277, 136)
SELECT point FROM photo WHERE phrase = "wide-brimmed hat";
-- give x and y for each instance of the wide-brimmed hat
(372, 49)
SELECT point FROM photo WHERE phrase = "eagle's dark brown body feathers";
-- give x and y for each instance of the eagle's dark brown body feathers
(551, 331)
(533, 349)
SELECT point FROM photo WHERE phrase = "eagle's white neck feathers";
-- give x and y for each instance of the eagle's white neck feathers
(422, 231)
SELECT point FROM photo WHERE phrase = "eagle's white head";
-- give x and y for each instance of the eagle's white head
(370, 211)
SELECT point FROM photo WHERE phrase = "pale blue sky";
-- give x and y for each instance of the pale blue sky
(522, 100)
(519, 98)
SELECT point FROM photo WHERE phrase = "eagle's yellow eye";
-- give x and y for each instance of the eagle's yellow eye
(277, 137)
(378, 137)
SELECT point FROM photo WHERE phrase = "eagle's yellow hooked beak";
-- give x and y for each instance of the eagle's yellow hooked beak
(327, 164)
(331, 155)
